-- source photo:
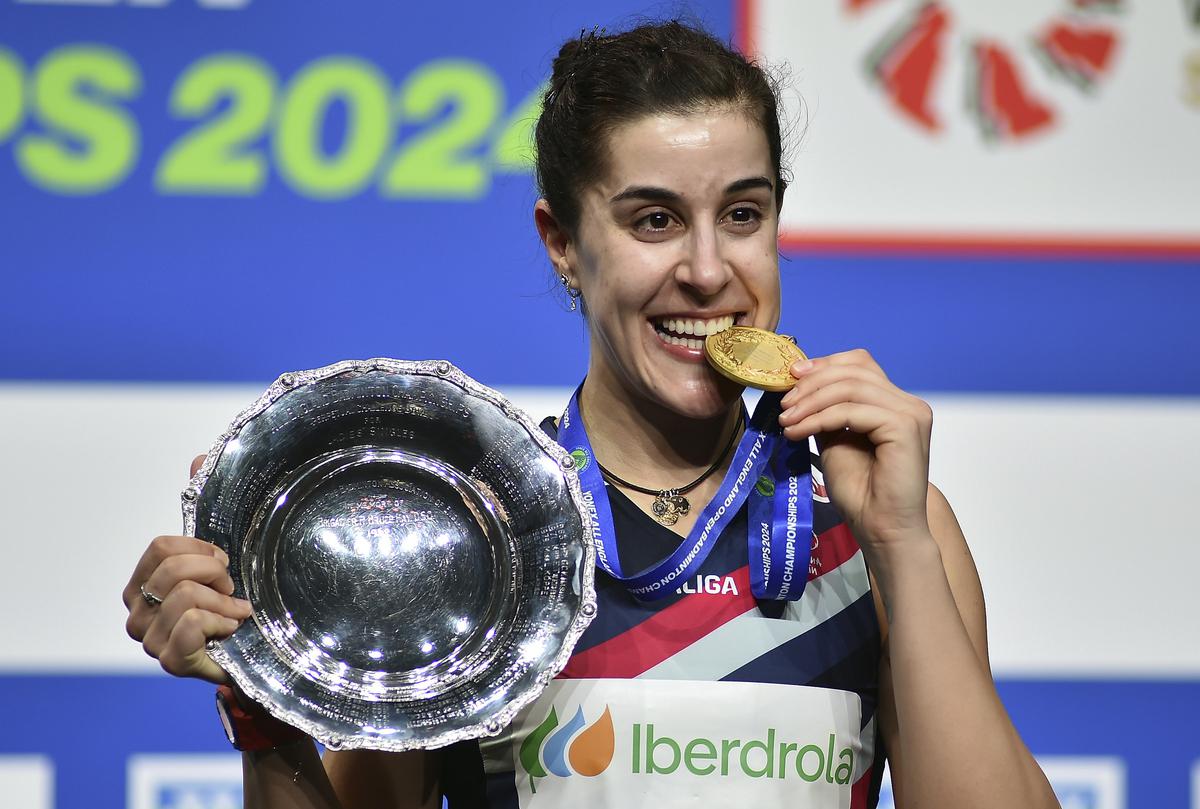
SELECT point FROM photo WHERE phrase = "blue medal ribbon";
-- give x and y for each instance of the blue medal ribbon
(769, 471)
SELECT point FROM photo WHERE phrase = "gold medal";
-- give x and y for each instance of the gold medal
(754, 357)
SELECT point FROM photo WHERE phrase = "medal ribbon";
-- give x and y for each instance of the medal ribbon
(771, 472)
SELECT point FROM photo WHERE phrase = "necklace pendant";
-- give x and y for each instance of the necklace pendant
(668, 507)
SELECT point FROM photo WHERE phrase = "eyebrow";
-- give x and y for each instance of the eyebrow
(648, 193)
(748, 184)
(651, 193)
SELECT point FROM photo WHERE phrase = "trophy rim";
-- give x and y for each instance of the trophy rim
(587, 600)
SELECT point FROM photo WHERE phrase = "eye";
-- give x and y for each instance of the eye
(655, 221)
(744, 216)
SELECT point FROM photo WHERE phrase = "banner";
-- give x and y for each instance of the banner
(999, 200)
(215, 191)
(1062, 124)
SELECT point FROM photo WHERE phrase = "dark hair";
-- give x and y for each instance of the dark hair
(602, 81)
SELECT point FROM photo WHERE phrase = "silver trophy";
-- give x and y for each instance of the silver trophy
(414, 548)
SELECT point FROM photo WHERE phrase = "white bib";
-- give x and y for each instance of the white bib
(670, 743)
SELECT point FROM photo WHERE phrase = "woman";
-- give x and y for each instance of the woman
(659, 162)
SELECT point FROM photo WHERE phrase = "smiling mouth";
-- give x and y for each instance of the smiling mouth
(690, 332)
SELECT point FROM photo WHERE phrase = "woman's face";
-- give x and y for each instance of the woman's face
(678, 240)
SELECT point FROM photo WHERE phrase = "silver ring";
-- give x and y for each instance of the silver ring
(149, 597)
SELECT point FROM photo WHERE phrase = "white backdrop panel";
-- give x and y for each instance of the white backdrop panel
(1117, 161)
(1080, 513)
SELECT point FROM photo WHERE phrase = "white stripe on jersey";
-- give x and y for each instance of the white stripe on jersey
(751, 635)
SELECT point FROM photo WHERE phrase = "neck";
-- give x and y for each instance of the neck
(647, 444)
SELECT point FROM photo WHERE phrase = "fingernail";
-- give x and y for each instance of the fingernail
(224, 557)
(801, 366)
(244, 604)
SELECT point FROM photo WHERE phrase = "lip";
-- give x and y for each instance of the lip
(679, 352)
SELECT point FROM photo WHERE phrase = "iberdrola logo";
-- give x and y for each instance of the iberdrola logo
(568, 750)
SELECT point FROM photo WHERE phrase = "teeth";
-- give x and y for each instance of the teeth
(699, 328)
(686, 342)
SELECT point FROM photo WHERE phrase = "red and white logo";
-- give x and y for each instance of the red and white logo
(1076, 41)
(967, 124)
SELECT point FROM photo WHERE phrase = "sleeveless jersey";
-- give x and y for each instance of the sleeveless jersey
(705, 695)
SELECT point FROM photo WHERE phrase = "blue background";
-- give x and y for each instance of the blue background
(131, 285)
(91, 725)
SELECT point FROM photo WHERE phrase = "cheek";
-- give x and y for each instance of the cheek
(625, 277)
(619, 305)
(761, 272)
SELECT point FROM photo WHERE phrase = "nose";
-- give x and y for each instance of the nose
(704, 268)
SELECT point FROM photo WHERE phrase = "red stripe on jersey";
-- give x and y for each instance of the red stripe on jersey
(860, 791)
(664, 634)
(830, 550)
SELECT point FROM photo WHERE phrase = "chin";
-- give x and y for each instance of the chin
(707, 398)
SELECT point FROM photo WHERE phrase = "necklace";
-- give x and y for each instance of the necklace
(670, 504)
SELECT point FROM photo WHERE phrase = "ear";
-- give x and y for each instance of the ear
(555, 239)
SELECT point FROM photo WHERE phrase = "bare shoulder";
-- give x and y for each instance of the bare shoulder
(372, 779)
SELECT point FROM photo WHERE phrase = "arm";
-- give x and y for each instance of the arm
(295, 777)
(944, 722)
(948, 737)
(288, 776)
(370, 779)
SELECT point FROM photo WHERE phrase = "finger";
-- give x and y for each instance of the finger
(844, 438)
(189, 567)
(879, 424)
(160, 549)
(203, 571)
(189, 595)
(845, 390)
(185, 655)
(138, 622)
(197, 462)
(859, 357)
(827, 374)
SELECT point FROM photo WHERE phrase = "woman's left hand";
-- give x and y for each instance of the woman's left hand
(874, 441)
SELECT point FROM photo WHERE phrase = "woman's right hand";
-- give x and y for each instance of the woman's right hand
(191, 577)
